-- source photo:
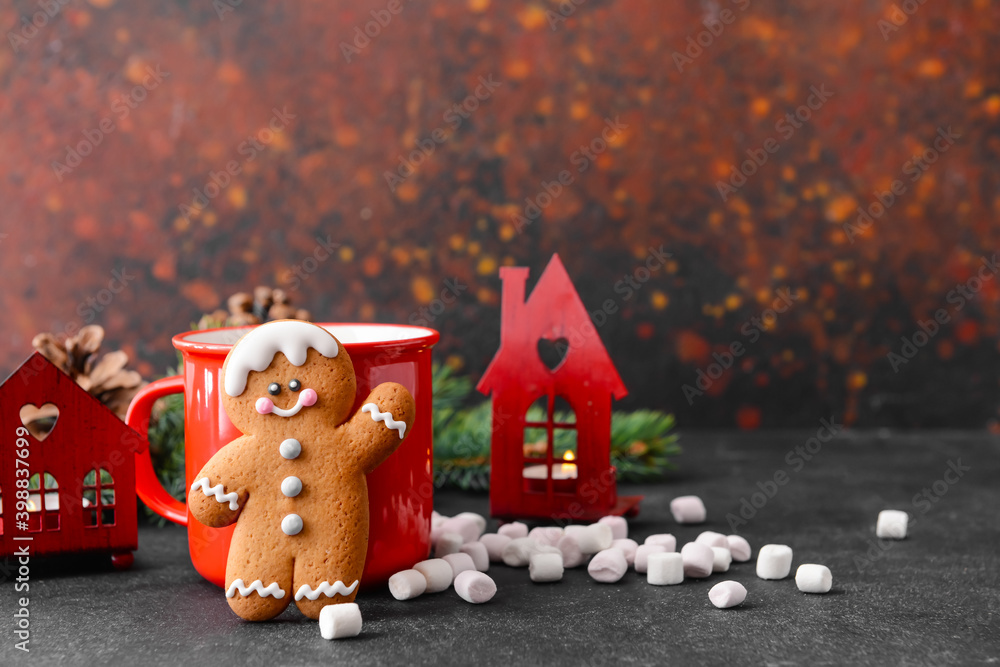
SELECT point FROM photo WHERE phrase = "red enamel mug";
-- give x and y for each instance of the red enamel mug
(400, 491)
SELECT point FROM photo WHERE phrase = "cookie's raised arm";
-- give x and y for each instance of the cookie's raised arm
(219, 492)
(379, 427)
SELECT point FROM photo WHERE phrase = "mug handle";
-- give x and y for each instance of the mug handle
(147, 484)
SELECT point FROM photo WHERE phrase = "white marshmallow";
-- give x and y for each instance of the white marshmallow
(593, 538)
(437, 520)
(698, 560)
(892, 525)
(459, 562)
(545, 567)
(721, 559)
(437, 572)
(546, 535)
(774, 561)
(436, 534)
(475, 587)
(571, 554)
(710, 538)
(726, 594)
(665, 568)
(479, 520)
(407, 584)
(337, 621)
(479, 553)
(628, 548)
(448, 543)
(619, 526)
(513, 530)
(665, 540)
(739, 548)
(688, 509)
(494, 545)
(466, 525)
(812, 578)
(642, 554)
(608, 566)
(518, 552)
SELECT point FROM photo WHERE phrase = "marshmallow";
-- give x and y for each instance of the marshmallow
(642, 554)
(698, 560)
(571, 554)
(545, 567)
(466, 525)
(475, 587)
(607, 566)
(479, 520)
(518, 552)
(513, 530)
(628, 548)
(494, 546)
(593, 538)
(619, 526)
(480, 555)
(739, 548)
(436, 534)
(665, 540)
(448, 543)
(721, 559)
(407, 584)
(688, 509)
(726, 594)
(774, 561)
(546, 535)
(437, 520)
(337, 621)
(892, 525)
(459, 562)
(437, 572)
(665, 568)
(710, 538)
(812, 578)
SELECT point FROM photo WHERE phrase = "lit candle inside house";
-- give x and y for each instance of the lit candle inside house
(564, 474)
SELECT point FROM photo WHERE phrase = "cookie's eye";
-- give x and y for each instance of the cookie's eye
(274, 389)
(295, 385)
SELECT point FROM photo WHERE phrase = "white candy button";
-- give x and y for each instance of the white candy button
(812, 578)
(291, 486)
(290, 448)
(726, 594)
(892, 525)
(774, 561)
(665, 568)
(291, 524)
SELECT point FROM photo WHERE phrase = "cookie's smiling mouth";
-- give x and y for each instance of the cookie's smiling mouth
(266, 406)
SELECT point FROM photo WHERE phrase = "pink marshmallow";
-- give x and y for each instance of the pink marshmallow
(494, 545)
(462, 525)
(698, 560)
(447, 543)
(460, 563)
(665, 540)
(571, 554)
(608, 566)
(549, 535)
(475, 587)
(727, 594)
(688, 509)
(308, 397)
(642, 554)
(739, 548)
(628, 547)
(513, 530)
(264, 406)
(619, 526)
(479, 554)
(710, 538)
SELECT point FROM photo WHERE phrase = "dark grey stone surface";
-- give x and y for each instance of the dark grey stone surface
(931, 599)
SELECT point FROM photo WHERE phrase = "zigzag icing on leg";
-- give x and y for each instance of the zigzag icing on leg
(384, 417)
(306, 591)
(218, 491)
(257, 585)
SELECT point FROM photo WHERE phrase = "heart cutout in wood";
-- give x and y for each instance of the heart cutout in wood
(552, 352)
(39, 420)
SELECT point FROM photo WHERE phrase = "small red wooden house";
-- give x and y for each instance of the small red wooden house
(552, 383)
(70, 489)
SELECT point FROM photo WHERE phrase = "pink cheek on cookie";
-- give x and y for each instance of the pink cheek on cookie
(264, 406)
(309, 397)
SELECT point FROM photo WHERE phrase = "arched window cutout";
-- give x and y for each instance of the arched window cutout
(43, 503)
(98, 499)
(550, 446)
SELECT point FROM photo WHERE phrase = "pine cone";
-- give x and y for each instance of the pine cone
(106, 378)
(266, 304)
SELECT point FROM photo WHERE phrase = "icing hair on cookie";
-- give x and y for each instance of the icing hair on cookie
(257, 349)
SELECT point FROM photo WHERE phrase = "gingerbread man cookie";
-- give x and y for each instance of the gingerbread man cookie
(295, 482)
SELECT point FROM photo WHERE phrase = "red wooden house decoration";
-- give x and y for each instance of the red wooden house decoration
(552, 460)
(70, 489)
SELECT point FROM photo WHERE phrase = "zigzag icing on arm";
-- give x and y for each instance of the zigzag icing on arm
(218, 491)
(306, 591)
(273, 589)
(384, 417)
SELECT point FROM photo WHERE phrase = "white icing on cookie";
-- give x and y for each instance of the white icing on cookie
(306, 591)
(290, 448)
(218, 491)
(292, 524)
(384, 417)
(291, 486)
(273, 589)
(256, 350)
